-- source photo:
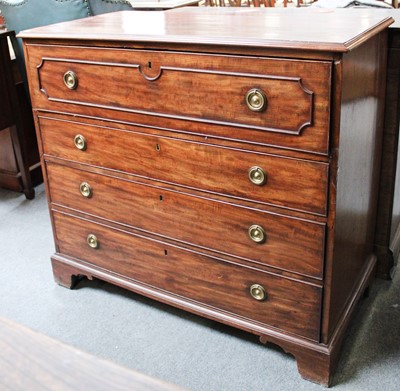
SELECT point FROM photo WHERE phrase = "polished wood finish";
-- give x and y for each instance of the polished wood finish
(355, 178)
(207, 281)
(19, 157)
(252, 28)
(32, 361)
(300, 251)
(297, 92)
(155, 157)
(174, 213)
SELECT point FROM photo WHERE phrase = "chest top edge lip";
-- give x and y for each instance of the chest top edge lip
(213, 27)
(205, 45)
(200, 50)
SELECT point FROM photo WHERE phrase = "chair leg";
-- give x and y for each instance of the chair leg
(23, 165)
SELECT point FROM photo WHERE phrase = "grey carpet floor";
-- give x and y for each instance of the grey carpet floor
(167, 343)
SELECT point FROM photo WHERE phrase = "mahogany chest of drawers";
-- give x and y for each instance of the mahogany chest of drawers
(206, 159)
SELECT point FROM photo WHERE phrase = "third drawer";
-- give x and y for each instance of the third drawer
(276, 240)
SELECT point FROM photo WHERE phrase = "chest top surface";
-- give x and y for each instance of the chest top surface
(337, 30)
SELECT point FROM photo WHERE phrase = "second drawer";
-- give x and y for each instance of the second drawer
(270, 179)
(278, 241)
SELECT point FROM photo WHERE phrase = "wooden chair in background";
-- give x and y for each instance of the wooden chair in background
(15, 114)
(265, 3)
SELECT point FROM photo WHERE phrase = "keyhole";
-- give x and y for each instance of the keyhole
(165, 252)
(158, 147)
(161, 198)
(149, 64)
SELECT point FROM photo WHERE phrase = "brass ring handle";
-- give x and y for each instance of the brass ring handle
(257, 176)
(86, 189)
(92, 241)
(70, 80)
(257, 233)
(256, 99)
(257, 292)
(80, 142)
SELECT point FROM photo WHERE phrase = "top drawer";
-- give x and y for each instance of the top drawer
(263, 100)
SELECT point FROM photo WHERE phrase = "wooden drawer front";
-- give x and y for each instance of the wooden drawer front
(183, 86)
(291, 183)
(290, 305)
(291, 244)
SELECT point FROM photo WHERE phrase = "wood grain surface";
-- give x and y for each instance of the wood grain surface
(291, 244)
(179, 86)
(322, 30)
(32, 361)
(170, 207)
(183, 86)
(291, 183)
(291, 305)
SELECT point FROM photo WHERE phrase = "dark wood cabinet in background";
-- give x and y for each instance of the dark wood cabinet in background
(387, 238)
(19, 155)
(203, 158)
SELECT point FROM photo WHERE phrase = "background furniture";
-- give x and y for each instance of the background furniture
(23, 14)
(387, 238)
(375, 4)
(98, 7)
(19, 157)
(241, 3)
(31, 361)
(157, 5)
(266, 190)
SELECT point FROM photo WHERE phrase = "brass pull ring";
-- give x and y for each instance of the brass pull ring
(257, 233)
(86, 189)
(257, 176)
(256, 100)
(257, 292)
(92, 241)
(80, 142)
(70, 80)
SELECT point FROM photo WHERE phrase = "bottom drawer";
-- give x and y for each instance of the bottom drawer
(290, 305)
